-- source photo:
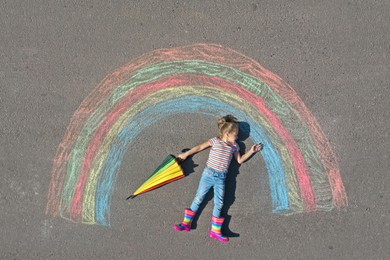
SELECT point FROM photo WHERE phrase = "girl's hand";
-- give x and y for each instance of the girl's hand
(257, 147)
(182, 156)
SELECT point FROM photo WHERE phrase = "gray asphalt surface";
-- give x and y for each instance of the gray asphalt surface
(336, 55)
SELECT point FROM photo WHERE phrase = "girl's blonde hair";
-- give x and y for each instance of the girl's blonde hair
(227, 124)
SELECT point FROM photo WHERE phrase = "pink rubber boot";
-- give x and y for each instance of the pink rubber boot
(215, 232)
(186, 224)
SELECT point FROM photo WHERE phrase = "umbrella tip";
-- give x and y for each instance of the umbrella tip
(131, 197)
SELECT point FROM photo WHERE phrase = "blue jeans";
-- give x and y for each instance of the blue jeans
(211, 178)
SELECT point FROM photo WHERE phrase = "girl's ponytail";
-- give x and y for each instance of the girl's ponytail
(227, 124)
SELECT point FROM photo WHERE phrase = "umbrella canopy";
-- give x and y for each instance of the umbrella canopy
(169, 171)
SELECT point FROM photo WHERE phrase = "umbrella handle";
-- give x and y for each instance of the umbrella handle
(178, 160)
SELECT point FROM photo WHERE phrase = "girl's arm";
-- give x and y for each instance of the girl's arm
(194, 150)
(242, 158)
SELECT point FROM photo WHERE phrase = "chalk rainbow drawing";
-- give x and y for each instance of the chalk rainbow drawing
(206, 79)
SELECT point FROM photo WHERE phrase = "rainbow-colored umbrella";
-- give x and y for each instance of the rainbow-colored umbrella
(169, 171)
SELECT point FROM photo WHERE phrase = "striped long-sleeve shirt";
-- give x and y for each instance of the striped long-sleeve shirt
(221, 154)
